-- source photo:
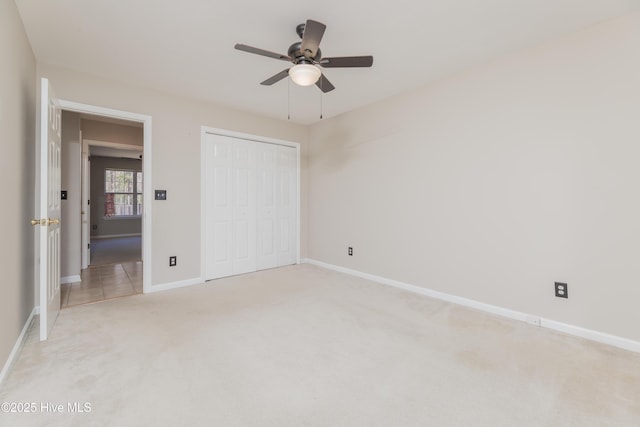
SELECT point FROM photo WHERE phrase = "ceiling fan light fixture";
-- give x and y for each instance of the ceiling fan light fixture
(305, 74)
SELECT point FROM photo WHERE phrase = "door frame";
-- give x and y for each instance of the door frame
(147, 193)
(86, 189)
(85, 210)
(204, 130)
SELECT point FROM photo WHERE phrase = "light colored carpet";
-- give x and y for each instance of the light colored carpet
(303, 346)
(115, 250)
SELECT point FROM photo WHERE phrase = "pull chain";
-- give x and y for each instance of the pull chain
(321, 96)
(289, 99)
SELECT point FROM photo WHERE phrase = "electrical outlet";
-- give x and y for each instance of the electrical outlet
(350, 251)
(173, 261)
(562, 290)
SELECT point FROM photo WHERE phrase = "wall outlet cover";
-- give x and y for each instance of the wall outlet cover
(562, 290)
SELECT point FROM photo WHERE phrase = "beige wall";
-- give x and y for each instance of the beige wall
(175, 157)
(496, 182)
(17, 121)
(111, 132)
(70, 236)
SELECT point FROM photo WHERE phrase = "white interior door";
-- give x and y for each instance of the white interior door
(85, 213)
(219, 208)
(50, 176)
(286, 202)
(267, 256)
(244, 206)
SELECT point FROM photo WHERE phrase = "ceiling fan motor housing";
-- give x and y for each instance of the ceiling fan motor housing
(299, 58)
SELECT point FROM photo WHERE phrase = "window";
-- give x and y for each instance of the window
(122, 193)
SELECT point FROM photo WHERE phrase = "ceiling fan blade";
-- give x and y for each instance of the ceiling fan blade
(347, 61)
(313, 32)
(251, 49)
(324, 84)
(275, 79)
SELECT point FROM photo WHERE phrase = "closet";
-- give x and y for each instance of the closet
(251, 204)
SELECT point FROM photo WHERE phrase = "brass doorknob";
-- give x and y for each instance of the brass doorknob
(44, 222)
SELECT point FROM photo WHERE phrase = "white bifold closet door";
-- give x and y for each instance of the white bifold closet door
(251, 206)
(277, 206)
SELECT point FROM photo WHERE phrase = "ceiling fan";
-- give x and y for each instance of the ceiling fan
(306, 56)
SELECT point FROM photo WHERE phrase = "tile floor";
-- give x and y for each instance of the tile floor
(103, 282)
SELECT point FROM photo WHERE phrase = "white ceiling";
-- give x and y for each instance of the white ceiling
(186, 47)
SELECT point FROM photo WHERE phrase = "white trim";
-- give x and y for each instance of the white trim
(85, 210)
(70, 279)
(115, 236)
(203, 207)
(204, 130)
(116, 145)
(122, 217)
(18, 345)
(175, 285)
(592, 335)
(248, 136)
(146, 169)
(578, 331)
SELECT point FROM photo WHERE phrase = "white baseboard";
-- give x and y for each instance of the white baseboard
(17, 346)
(175, 285)
(601, 337)
(578, 331)
(114, 236)
(70, 279)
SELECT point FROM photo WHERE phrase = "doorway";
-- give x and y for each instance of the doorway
(110, 229)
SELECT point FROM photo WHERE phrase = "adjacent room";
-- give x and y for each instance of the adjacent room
(351, 214)
(101, 208)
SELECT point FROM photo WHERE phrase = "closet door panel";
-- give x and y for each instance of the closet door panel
(244, 206)
(266, 200)
(219, 209)
(286, 204)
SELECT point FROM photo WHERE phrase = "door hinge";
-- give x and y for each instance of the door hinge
(88, 202)
(88, 245)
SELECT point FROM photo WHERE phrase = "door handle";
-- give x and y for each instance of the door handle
(44, 222)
